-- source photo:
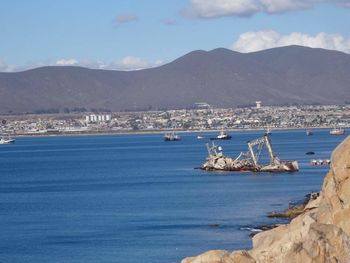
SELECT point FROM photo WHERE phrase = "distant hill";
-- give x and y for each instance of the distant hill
(221, 77)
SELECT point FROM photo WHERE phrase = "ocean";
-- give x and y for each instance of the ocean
(136, 198)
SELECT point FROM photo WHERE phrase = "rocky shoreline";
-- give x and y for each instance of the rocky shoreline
(296, 209)
(319, 231)
(293, 210)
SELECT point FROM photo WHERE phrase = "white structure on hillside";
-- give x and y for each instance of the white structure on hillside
(258, 104)
(202, 105)
(98, 118)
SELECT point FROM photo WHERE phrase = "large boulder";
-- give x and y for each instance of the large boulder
(221, 256)
(321, 234)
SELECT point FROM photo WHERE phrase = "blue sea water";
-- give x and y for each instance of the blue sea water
(136, 198)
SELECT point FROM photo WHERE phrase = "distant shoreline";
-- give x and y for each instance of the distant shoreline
(140, 132)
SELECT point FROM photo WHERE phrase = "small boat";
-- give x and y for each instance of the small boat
(309, 132)
(310, 153)
(200, 137)
(171, 136)
(337, 131)
(6, 140)
(222, 136)
(320, 162)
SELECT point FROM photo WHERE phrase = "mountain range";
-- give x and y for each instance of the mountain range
(221, 77)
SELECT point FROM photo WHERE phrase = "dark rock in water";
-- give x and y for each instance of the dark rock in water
(291, 212)
(310, 153)
(311, 196)
(294, 209)
(277, 205)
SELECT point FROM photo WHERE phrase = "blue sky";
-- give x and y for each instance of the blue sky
(133, 34)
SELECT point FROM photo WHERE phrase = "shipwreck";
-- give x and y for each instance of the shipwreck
(248, 161)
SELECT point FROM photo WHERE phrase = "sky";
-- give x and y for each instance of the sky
(137, 34)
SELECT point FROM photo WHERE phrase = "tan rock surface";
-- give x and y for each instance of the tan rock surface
(221, 256)
(320, 235)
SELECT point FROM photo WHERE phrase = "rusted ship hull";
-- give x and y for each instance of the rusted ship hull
(248, 167)
(228, 164)
(216, 161)
(282, 167)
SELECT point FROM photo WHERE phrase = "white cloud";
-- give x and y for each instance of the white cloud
(219, 8)
(255, 41)
(127, 63)
(131, 62)
(4, 67)
(67, 62)
(135, 63)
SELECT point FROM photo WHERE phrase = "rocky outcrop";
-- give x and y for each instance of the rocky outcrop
(320, 234)
(221, 256)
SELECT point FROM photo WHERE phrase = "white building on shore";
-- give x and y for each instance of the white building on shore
(98, 118)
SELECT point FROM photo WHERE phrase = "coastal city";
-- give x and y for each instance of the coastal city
(202, 117)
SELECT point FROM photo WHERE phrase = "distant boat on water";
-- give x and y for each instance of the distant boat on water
(200, 137)
(309, 132)
(337, 131)
(222, 136)
(171, 136)
(6, 140)
(310, 153)
(320, 162)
